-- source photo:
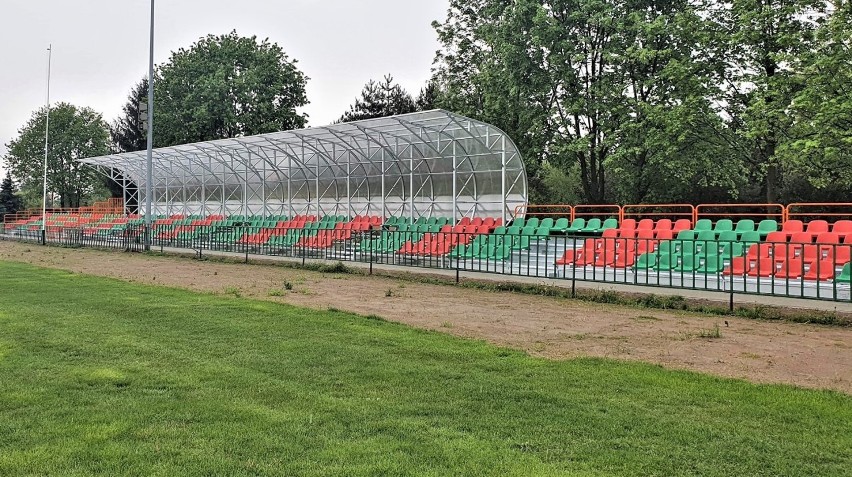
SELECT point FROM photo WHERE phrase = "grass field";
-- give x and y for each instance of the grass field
(99, 376)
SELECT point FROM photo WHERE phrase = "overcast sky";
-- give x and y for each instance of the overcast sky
(100, 47)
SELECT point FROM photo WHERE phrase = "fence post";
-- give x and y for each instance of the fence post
(370, 238)
(457, 271)
(574, 270)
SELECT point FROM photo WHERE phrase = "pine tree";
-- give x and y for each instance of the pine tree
(126, 131)
(10, 203)
(380, 99)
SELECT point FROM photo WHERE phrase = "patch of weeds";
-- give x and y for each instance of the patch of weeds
(446, 324)
(539, 346)
(674, 302)
(712, 333)
(822, 319)
(601, 296)
(389, 292)
(334, 310)
(275, 292)
(337, 267)
(288, 286)
(375, 317)
(232, 291)
(757, 312)
(646, 318)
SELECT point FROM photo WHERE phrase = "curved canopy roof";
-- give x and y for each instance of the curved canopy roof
(432, 163)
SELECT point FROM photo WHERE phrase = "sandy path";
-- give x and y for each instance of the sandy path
(771, 352)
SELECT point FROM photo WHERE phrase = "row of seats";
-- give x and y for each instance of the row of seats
(749, 258)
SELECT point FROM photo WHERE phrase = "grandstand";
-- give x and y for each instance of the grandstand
(439, 190)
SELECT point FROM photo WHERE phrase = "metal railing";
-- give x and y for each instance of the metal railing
(801, 270)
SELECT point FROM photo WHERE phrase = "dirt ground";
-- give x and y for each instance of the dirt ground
(812, 356)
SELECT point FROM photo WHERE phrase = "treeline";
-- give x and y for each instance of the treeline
(628, 101)
(643, 101)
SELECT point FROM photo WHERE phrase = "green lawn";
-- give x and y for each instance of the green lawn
(104, 377)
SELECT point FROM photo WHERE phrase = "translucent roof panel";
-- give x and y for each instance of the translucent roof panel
(432, 163)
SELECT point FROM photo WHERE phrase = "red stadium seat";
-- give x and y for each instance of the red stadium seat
(791, 227)
(827, 238)
(646, 224)
(776, 237)
(791, 267)
(822, 269)
(816, 227)
(681, 224)
(842, 228)
(663, 224)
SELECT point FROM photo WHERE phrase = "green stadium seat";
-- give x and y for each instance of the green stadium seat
(712, 264)
(728, 236)
(646, 261)
(667, 261)
(845, 274)
(703, 235)
(689, 234)
(767, 226)
(750, 238)
(609, 224)
(561, 225)
(723, 225)
(532, 222)
(686, 263)
(744, 225)
(592, 226)
(576, 226)
(703, 224)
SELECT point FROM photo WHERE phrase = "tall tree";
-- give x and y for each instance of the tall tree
(429, 97)
(821, 145)
(227, 86)
(379, 99)
(670, 134)
(128, 135)
(126, 131)
(471, 76)
(761, 37)
(588, 86)
(10, 202)
(75, 133)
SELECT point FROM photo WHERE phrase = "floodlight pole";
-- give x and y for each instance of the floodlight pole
(149, 172)
(46, 131)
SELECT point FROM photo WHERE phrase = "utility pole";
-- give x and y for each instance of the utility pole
(46, 131)
(149, 222)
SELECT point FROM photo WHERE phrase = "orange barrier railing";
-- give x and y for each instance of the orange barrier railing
(109, 206)
(819, 210)
(659, 211)
(597, 210)
(544, 210)
(742, 211)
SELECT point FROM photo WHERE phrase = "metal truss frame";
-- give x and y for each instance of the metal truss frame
(432, 163)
